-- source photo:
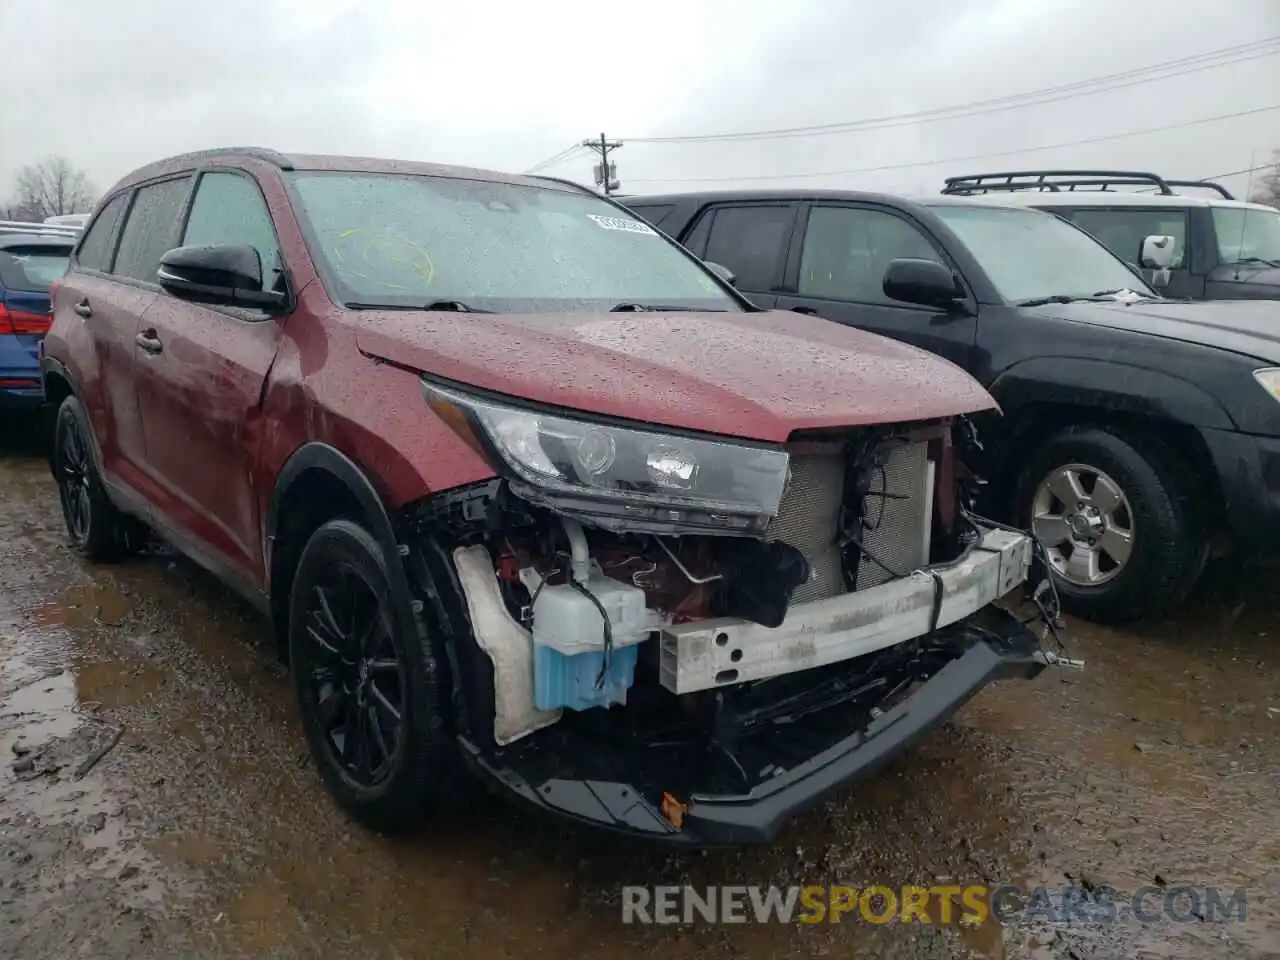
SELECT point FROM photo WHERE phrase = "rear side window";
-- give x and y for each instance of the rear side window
(32, 269)
(229, 209)
(1122, 231)
(98, 243)
(152, 228)
(750, 241)
(655, 213)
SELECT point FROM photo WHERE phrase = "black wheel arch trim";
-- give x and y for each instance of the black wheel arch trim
(50, 365)
(1110, 386)
(321, 456)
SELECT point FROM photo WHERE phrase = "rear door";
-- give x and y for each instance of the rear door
(201, 373)
(103, 298)
(844, 251)
(751, 239)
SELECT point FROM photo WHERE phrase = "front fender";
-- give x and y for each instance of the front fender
(1108, 385)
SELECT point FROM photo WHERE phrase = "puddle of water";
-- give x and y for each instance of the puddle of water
(37, 713)
(98, 603)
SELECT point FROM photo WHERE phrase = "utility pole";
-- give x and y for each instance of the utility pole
(606, 172)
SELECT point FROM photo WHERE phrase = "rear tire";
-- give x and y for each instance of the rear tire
(98, 529)
(1116, 515)
(367, 684)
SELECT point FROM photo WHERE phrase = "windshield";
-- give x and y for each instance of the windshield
(404, 241)
(1030, 255)
(1247, 235)
(32, 269)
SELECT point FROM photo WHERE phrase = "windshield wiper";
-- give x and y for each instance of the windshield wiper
(1056, 298)
(1261, 260)
(456, 306)
(1102, 296)
(652, 308)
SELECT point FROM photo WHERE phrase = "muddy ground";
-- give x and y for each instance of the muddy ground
(204, 830)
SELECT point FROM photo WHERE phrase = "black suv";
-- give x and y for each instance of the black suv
(1139, 434)
(1224, 248)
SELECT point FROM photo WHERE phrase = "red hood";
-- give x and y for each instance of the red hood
(756, 375)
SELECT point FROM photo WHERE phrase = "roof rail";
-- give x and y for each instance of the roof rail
(40, 229)
(1204, 185)
(1051, 181)
(190, 161)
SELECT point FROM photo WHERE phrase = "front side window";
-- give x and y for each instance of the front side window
(847, 251)
(100, 240)
(229, 210)
(151, 230)
(1031, 255)
(1122, 231)
(1247, 235)
(31, 269)
(405, 240)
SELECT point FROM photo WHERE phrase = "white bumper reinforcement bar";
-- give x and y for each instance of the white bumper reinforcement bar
(706, 654)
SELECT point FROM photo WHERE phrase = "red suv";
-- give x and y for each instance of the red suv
(530, 494)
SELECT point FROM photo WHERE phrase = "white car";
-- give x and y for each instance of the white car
(1223, 248)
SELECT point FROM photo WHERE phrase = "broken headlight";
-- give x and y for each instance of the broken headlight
(639, 478)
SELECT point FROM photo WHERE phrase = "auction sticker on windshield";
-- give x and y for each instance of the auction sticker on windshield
(621, 223)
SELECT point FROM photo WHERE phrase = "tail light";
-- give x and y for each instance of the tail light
(13, 322)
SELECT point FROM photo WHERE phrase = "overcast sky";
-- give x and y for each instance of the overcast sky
(113, 84)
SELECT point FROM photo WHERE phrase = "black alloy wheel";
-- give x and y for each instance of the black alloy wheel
(356, 675)
(97, 528)
(367, 683)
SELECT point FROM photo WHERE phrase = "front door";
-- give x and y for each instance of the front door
(201, 373)
(845, 251)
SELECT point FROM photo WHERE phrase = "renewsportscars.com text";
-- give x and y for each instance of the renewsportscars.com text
(945, 904)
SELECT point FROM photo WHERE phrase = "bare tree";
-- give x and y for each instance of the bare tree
(1266, 189)
(52, 187)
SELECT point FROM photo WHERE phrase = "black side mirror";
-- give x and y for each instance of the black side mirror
(226, 275)
(721, 271)
(925, 282)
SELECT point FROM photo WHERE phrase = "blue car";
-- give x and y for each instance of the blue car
(29, 263)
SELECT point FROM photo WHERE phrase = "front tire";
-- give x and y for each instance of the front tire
(98, 530)
(1115, 515)
(366, 683)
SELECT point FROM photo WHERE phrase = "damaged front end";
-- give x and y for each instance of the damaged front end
(694, 639)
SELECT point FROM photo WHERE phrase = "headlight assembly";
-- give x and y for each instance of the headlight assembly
(624, 477)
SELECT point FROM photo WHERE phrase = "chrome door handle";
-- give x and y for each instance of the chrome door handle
(83, 308)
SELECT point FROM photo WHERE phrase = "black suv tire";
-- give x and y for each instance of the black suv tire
(359, 673)
(1168, 548)
(98, 529)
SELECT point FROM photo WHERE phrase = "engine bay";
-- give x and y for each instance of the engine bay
(565, 614)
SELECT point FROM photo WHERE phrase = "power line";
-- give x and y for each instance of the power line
(1265, 47)
(966, 159)
(551, 161)
(1236, 173)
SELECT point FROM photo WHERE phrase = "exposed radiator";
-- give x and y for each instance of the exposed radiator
(898, 524)
(808, 517)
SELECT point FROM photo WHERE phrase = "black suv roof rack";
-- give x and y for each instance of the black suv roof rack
(1204, 185)
(1058, 181)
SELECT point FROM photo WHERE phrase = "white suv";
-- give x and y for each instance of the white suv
(1224, 248)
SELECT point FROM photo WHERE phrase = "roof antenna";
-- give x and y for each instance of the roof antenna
(1244, 220)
